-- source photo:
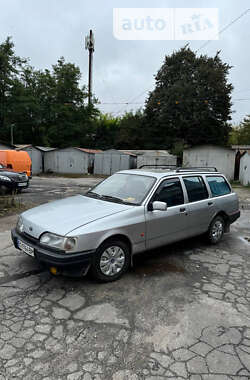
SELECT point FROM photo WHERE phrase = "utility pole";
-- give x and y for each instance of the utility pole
(12, 134)
(89, 45)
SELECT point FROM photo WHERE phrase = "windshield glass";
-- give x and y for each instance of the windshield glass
(125, 188)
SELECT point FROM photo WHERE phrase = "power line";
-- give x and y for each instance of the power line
(225, 28)
(132, 100)
(201, 47)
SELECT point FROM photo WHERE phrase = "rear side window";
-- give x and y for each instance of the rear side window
(170, 192)
(218, 186)
(196, 188)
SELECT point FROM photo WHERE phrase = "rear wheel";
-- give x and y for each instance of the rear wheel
(111, 261)
(216, 230)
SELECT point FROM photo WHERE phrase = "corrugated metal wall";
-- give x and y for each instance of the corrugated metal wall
(68, 160)
(208, 155)
(36, 159)
(156, 160)
(108, 163)
(245, 170)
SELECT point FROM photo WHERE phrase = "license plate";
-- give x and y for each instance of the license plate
(22, 184)
(25, 248)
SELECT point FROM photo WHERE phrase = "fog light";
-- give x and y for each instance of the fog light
(53, 270)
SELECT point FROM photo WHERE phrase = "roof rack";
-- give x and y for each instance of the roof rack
(197, 168)
(157, 166)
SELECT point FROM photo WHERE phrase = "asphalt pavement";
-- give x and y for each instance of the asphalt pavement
(182, 311)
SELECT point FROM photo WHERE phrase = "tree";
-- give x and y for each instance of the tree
(191, 101)
(10, 66)
(131, 134)
(107, 128)
(240, 135)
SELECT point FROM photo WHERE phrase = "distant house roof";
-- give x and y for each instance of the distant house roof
(209, 146)
(41, 148)
(241, 147)
(45, 148)
(147, 152)
(86, 150)
(22, 146)
(116, 151)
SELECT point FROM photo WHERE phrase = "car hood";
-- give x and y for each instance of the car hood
(63, 216)
(9, 173)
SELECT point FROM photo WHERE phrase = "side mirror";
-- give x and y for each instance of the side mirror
(157, 205)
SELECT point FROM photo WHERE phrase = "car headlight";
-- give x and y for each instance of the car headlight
(20, 225)
(4, 178)
(57, 241)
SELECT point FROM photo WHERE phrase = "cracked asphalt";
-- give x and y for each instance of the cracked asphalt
(182, 311)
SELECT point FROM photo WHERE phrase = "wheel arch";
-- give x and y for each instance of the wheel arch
(225, 218)
(118, 236)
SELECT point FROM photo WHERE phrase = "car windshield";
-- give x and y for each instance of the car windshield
(124, 188)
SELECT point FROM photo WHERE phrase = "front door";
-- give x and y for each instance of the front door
(163, 227)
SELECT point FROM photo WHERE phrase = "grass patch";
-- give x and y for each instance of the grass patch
(10, 204)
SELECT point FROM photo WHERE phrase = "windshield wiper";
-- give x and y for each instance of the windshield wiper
(110, 197)
(93, 194)
(116, 199)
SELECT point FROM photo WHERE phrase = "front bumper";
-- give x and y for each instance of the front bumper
(76, 263)
(14, 186)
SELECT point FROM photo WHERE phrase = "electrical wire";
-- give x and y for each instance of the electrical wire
(224, 28)
(201, 47)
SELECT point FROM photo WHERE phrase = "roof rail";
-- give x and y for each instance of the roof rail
(197, 168)
(157, 166)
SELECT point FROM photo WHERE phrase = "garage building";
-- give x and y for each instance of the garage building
(70, 160)
(245, 169)
(211, 155)
(111, 161)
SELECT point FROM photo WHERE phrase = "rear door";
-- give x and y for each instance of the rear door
(163, 227)
(200, 207)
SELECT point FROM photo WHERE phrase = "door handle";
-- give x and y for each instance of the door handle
(210, 203)
(182, 209)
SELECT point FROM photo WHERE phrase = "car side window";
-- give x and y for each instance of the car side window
(196, 188)
(218, 186)
(170, 192)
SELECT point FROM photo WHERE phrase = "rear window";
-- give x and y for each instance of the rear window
(196, 188)
(218, 186)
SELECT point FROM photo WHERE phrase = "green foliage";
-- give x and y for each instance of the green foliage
(240, 135)
(190, 105)
(46, 107)
(131, 135)
(106, 131)
(190, 102)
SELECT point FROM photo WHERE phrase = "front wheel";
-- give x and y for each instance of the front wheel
(111, 261)
(216, 230)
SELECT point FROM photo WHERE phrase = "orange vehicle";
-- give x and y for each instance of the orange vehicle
(16, 161)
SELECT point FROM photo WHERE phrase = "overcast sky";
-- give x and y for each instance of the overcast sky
(44, 30)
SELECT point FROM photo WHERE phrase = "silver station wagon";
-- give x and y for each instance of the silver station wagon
(129, 212)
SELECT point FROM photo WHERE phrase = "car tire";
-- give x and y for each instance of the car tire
(111, 261)
(216, 230)
(3, 190)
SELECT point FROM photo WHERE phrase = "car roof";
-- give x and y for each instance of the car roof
(160, 173)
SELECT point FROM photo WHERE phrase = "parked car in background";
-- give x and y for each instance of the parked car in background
(129, 212)
(11, 181)
(17, 161)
